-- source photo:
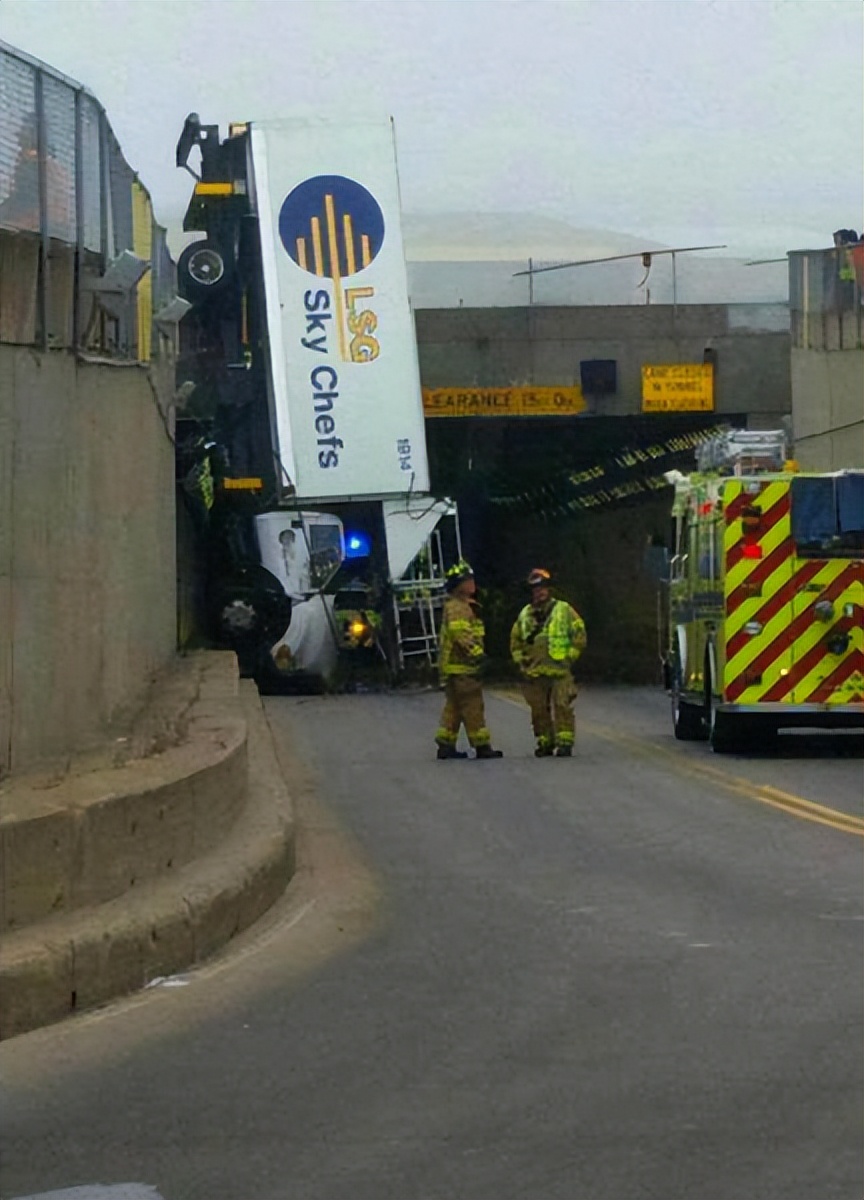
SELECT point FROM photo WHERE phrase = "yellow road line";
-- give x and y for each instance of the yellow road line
(787, 802)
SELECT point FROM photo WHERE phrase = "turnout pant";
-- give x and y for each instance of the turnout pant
(550, 698)
(463, 705)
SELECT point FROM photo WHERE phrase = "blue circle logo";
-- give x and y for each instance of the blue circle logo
(331, 226)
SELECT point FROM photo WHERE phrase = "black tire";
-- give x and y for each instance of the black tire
(204, 269)
(687, 719)
(725, 738)
(727, 732)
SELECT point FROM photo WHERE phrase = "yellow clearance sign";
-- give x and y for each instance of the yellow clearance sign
(503, 402)
(678, 387)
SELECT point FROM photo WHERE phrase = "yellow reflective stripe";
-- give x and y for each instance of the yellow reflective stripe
(817, 630)
(770, 541)
(214, 189)
(773, 493)
(778, 624)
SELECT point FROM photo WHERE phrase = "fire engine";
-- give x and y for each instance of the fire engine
(765, 595)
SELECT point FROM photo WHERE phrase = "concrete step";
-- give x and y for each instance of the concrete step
(230, 822)
(99, 828)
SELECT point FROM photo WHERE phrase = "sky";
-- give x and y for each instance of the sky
(683, 122)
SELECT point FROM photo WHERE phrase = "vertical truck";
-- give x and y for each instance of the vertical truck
(765, 595)
(301, 442)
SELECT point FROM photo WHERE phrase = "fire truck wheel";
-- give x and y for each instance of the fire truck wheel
(687, 719)
(723, 736)
(727, 733)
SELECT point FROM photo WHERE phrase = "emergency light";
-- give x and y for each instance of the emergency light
(357, 544)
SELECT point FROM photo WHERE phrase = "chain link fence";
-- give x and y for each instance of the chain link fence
(83, 264)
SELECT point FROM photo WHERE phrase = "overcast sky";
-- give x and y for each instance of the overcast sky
(688, 121)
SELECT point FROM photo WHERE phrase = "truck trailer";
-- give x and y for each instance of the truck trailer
(301, 441)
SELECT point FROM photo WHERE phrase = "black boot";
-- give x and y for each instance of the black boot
(564, 752)
(488, 752)
(450, 752)
(543, 751)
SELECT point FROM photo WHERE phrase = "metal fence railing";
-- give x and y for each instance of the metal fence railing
(83, 263)
(826, 292)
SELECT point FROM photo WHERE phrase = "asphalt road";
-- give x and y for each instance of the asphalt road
(636, 974)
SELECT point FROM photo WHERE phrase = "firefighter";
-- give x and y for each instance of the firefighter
(461, 657)
(545, 642)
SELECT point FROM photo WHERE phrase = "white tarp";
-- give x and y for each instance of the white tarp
(408, 523)
(345, 385)
(311, 639)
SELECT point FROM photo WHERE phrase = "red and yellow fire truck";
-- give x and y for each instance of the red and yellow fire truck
(766, 595)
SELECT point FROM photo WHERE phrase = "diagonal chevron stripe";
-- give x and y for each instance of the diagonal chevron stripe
(736, 501)
(820, 688)
(773, 533)
(794, 632)
(775, 512)
(747, 572)
(771, 607)
(805, 660)
(753, 574)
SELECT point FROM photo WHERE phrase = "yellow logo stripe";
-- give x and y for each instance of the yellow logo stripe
(348, 230)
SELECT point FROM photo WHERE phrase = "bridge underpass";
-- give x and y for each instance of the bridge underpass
(585, 497)
(584, 493)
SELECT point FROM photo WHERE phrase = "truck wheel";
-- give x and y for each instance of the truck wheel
(726, 732)
(203, 269)
(687, 719)
(724, 740)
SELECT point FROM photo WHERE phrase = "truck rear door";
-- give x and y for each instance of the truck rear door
(759, 589)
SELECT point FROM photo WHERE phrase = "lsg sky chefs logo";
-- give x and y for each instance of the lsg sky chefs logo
(333, 228)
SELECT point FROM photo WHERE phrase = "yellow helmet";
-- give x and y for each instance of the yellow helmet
(457, 574)
(539, 577)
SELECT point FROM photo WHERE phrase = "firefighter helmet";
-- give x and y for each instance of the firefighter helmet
(458, 573)
(539, 577)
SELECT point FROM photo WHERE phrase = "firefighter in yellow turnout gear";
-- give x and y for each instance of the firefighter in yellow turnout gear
(462, 654)
(545, 642)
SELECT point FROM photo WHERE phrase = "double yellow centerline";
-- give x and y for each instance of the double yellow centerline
(684, 764)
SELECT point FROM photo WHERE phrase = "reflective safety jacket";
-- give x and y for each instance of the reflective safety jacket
(547, 641)
(462, 638)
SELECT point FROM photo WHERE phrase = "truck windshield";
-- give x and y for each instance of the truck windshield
(828, 516)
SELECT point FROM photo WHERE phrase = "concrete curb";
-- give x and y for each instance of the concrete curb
(90, 835)
(95, 954)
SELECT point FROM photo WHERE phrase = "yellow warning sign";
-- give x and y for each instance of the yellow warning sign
(678, 387)
(503, 402)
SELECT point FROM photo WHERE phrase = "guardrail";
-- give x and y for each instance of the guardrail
(83, 263)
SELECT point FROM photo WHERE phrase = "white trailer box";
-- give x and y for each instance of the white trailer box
(346, 405)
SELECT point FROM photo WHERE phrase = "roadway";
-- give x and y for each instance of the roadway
(635, 974)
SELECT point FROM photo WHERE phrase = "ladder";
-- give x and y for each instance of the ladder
(418, 605)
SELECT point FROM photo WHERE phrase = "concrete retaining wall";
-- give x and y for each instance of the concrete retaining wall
(828, 408)
(87, 559)
(190, 847)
